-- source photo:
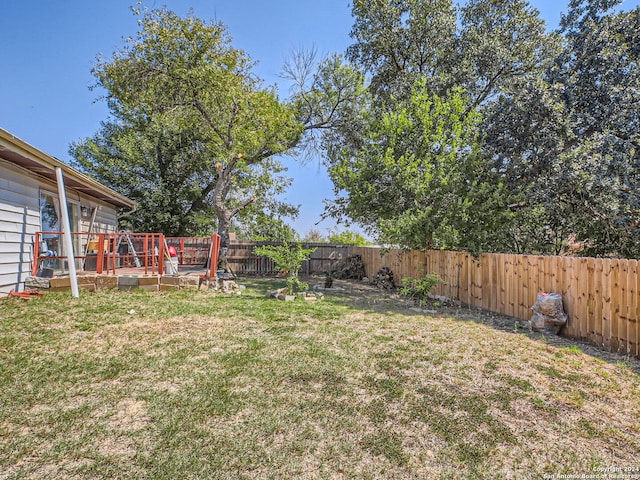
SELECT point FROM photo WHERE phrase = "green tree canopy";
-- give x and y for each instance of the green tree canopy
(347, 237)
(483, 46)
(567, 142)
(550, 121)
(194, 133)
(419, 181)
(411, 164)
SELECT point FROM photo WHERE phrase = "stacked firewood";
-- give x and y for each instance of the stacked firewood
(351, 268)
(384, 279)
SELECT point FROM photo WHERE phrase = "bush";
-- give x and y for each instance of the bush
(294, 284)
(419, 289)
(288, 260)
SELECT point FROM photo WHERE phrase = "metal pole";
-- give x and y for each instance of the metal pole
(66, 230)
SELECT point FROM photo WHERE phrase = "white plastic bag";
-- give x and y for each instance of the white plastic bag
(548, 313)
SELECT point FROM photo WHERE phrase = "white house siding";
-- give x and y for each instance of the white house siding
(20, 220)
(106, 218)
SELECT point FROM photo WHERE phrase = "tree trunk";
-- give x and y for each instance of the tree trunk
(429, 241)
(223, 230)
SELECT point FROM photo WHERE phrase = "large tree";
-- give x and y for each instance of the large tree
(193, 131)
(559, 120)
(467, 57)
(567, 142)
(398, 42)
(167, 173)
(484, 46)
(419, 180)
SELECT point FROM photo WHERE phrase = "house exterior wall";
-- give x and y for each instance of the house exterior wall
(19, 221)
(20, 192)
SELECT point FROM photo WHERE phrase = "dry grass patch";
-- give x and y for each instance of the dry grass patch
(193, 385)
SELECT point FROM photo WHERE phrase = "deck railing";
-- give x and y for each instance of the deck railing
(108, 252)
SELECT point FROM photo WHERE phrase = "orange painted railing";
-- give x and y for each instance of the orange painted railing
(198, 251)
(107, 252)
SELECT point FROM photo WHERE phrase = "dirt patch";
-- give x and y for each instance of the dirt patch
(130, 416)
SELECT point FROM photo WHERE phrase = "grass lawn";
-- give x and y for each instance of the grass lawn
(190, 384)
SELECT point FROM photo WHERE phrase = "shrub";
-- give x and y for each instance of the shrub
(289, 260)
(419, 289)
(294, 284)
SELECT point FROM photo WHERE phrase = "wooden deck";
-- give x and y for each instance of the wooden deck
(128, 278)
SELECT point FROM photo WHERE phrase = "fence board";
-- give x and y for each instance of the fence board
(501, 285)
(573, 297)
(556, 273)
(598, 295)
(623, 302)
(568, 296)
(511, 289)
(463, 276)
(590, 289)
(534, 274)
(448, 267)
(493, 280)
(632, 320)
(581, 283)
(523, 304)
(604, 303)
(614, 300)
(546, 274)
(560, 285)
(633, 308)
(471, 281)
(635, 320)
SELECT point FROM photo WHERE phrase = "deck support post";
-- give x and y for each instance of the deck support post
(66, 230)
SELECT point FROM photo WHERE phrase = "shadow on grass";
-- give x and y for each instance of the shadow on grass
(367, 298)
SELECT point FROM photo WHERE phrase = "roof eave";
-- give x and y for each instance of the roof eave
(19, 152)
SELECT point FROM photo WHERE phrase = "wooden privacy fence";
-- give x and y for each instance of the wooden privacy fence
(600, 296)
(242, 260)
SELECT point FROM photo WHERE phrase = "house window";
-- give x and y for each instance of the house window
(49, 208)
(50, 221)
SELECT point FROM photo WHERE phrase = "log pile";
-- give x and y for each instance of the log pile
(384, 279)
(351, 268)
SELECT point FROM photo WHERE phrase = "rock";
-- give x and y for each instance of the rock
(334, 289)
(286, 298)
(281, 294)
(36, 282)
(312, 296)
(223, 285)
(276, 293)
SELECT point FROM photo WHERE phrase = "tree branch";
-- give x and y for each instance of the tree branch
(244, 204)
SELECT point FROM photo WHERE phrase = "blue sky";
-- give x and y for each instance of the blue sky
(47, 50)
